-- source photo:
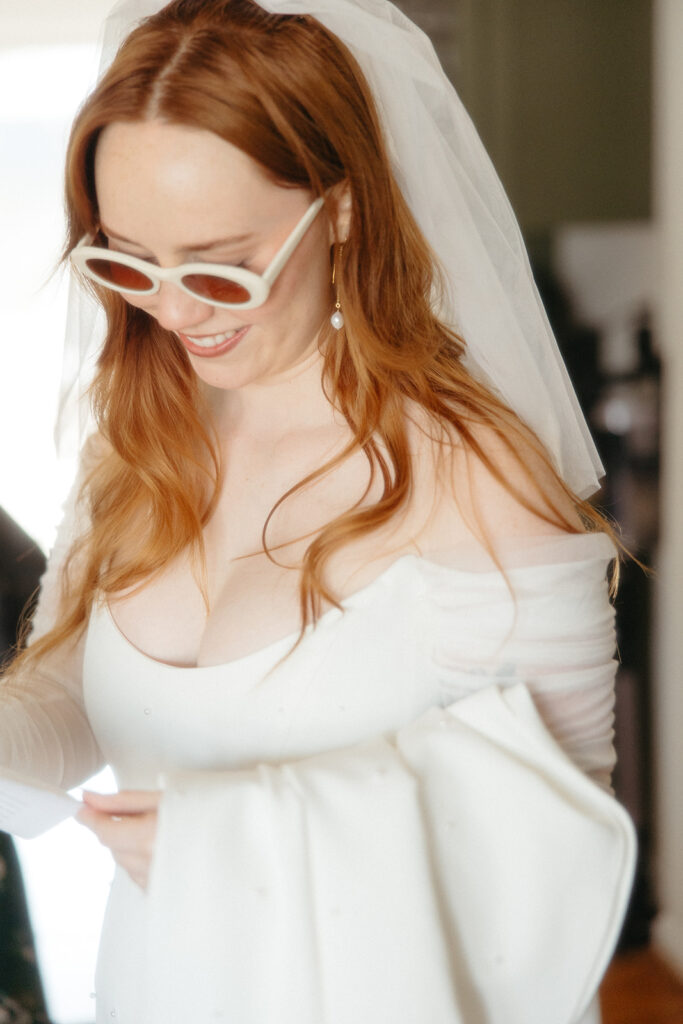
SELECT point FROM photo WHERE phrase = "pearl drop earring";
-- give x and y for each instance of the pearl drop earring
(337, 318)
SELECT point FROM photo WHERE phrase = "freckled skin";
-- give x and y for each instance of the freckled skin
(166, 188)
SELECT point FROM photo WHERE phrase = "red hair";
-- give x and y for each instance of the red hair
(289, 94)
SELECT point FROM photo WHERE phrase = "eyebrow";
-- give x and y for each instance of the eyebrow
(215, 243)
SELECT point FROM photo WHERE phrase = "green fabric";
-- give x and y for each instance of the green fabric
(21, 994)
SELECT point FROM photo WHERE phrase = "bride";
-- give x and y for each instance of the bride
(338, 481)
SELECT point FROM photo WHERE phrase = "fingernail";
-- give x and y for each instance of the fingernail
(94, 795)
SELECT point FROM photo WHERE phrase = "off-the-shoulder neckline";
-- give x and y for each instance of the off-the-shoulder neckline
(547, 552)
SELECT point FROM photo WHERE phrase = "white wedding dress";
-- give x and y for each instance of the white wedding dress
(290, 857)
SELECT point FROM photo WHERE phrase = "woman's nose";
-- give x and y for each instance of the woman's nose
(176, 310)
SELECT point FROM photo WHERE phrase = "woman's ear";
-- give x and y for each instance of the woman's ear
(340, 223)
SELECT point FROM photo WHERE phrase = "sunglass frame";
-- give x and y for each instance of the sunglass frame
(258, 285)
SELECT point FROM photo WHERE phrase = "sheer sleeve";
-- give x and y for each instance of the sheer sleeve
(44, 729)
(548, 623)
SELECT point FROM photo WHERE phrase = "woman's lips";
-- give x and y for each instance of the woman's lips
(209, 351)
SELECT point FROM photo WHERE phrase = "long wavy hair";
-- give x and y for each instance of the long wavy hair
(289, 94)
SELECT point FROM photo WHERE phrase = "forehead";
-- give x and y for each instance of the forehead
(157, 183)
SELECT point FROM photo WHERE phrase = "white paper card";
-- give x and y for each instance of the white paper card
(29, 807)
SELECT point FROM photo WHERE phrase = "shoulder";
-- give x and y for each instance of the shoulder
(487, 487)
(509, 485)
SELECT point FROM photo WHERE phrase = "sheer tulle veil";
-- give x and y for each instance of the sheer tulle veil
(461, 207)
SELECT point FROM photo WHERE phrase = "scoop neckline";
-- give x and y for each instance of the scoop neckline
(420, 562)
(346, 604)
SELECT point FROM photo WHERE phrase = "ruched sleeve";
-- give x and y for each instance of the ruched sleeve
(44, 729)
(547, 622)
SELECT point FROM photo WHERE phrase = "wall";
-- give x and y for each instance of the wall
(668, 739)
(560, 92)
(48, 22)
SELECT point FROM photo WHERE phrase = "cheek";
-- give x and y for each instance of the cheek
(304, 287)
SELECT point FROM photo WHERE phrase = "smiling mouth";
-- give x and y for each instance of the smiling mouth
(214, 344)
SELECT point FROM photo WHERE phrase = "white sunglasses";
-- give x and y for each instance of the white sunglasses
(215, 283)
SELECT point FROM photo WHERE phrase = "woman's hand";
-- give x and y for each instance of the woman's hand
(126, 822)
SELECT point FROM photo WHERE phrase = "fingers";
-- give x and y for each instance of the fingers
(130, 839)
(126, 823)
(128, 801)
(119, 833)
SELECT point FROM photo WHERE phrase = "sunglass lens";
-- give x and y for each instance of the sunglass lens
(127, 278)
(217, 289)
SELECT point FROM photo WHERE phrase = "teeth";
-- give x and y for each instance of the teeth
(216, 339)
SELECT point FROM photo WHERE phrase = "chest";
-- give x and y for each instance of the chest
(242, 599)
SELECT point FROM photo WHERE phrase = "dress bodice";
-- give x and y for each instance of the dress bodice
(421, 633)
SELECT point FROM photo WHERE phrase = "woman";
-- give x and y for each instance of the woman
(304, 520)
